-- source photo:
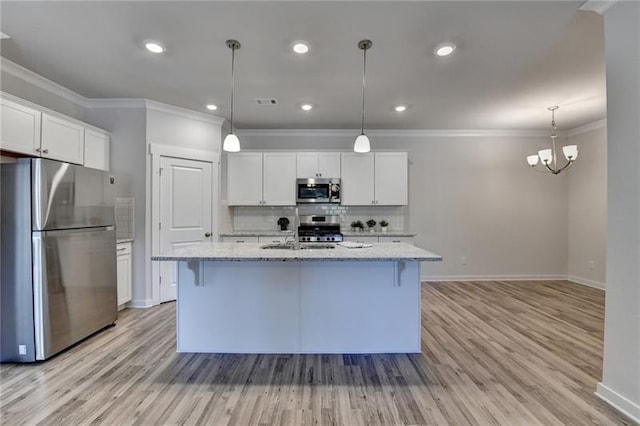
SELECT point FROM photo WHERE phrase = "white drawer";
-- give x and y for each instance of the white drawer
(366, 239)
(239, 239)
(408, 240)
(123, 248)
(274, 239)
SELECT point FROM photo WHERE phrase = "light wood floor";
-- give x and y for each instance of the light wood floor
(509, 353)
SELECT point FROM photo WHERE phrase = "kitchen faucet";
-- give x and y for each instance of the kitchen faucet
(296, 224)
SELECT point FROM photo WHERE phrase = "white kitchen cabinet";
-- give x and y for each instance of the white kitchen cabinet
(62, 139)
(379, 178)
(20, 128)
(385, 239)
(96, 149)
(239, 239)
(391, 178)
(244, 179)
(261, 179)
(279, 179)
(280, 239)
(357, 179)
(365, 239)
(124, 272)
(318, 165)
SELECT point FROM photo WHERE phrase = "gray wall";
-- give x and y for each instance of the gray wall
(588, 208)
(621, 370)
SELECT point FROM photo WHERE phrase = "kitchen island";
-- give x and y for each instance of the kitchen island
(241, 298)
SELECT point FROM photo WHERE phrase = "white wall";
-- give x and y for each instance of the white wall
(588, 206)
(621, 368)
(469, 196)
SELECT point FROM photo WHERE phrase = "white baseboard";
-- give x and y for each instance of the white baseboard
(141, 303)
(584, 281)
(625, 406)
(492, 277)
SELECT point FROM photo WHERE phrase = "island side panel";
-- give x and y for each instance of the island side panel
(240, 307)
(360, 307)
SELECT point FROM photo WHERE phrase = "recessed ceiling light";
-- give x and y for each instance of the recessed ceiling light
(154, 46)
(306, 107)
(212, 107)
(444, 49)
(400, 108)
(301, 47)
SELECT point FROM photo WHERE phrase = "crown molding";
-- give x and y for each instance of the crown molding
(598, 6)
(41, 82)
(405, 133)
(122, 103)
(183, 112)
(587, 128)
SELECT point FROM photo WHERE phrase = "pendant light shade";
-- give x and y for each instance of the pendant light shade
(362, 144)
(231, 142)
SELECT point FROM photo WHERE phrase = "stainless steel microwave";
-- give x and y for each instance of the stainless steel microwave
(318, 190)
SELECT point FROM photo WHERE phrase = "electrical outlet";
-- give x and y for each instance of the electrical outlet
(22, 349)
(463, 260)
(592, 264)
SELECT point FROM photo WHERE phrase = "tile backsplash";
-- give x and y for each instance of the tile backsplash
(246, 218)
(124, 210)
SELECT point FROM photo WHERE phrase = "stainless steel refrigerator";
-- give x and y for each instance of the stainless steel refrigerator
(58, 257)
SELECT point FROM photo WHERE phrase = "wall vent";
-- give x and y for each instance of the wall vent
(267, 101)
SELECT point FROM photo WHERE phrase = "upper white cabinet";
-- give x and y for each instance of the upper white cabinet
(261, 179)
(379, 178)
(20, 128)
(96, 149)
(391, 178)
(279, 179)
(33, 130)
(357, 179)
(244, 179)
(318, 164)
(62, 140)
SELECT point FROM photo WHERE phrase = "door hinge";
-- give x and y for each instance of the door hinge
(159, 225)
(160, 171)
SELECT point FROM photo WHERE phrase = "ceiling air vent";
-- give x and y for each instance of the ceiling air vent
(267, 101)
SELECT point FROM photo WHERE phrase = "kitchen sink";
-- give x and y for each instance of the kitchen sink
(304, 246)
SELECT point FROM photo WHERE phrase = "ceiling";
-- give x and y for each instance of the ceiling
(514, 59)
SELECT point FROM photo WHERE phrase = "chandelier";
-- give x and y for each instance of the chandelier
(548, 157)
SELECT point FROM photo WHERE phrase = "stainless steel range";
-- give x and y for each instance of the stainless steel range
(323, 229)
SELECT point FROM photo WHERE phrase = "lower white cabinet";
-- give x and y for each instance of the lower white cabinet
(229, 239)
(367, 239)
(124, 268)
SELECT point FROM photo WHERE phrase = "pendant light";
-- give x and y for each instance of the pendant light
(549, 157)
(362, 144)
(231, 142)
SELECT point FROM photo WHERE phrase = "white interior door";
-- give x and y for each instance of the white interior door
(185, 212)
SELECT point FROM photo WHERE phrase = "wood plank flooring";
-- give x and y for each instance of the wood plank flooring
(493, 353)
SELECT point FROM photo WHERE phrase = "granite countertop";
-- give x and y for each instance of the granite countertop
(124, 240)
(252, 252)
(345, 233)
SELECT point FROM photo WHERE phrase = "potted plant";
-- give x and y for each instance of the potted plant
(357, 225)
(384, 225)
(371, 224)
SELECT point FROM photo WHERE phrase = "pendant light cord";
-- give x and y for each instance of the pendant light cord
(233, 55)
(364, 73)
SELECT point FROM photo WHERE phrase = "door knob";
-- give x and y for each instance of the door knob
(208, 234)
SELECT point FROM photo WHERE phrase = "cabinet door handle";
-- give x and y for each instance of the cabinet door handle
(397, 241)
(207, 234)
(45, 151)
(121, 249)
(239, 241)
(38, 150)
